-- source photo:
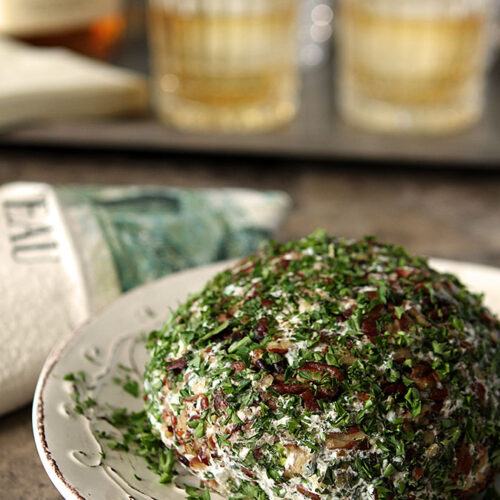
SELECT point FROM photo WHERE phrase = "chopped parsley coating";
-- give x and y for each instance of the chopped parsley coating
(328, 368)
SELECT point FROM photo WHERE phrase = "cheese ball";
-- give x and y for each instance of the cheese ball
(328, 368)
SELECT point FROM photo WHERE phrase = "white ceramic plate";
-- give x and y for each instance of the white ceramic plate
(67, 442)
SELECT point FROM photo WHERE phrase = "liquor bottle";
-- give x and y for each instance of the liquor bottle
(91, 27)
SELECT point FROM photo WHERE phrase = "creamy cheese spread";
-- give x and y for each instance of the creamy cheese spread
(330, 369)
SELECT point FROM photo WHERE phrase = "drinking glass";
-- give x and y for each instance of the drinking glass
(413, 65)
(224, 65)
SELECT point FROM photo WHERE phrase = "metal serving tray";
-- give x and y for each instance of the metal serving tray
(317, 133)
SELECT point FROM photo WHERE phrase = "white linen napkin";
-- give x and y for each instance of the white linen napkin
(65, 252)
(40, 83)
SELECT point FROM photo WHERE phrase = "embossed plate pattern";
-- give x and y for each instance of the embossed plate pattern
(68, 444)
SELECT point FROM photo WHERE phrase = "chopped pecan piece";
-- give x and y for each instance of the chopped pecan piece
(401, 354)
(324, 393)
(340, 440)
(347, 313)
(197, 464)
(248, 472)
(280, 346)
(297, 460)
(363, 396)
(269, 401)
(203, 402)
(403, 272)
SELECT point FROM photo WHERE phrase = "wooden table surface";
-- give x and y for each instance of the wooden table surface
(444, 213)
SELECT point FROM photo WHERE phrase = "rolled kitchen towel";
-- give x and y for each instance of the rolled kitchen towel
(53, 83)
(66, 251)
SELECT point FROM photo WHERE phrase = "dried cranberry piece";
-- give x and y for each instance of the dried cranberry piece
(262, 329)
(262, 365)
(324, 393)
(182, 459)
(266, 302)
(479, 391)
(310, 403)
(236, 335)
(417, 473)
(395, 388)
(238, 366)
(279, 367)
(403, 273)
(178, 364)
(220, 403)
(308, 493)
(312, 366)
(464, 460)
(439, 394)
(369, 327)
(283, 388)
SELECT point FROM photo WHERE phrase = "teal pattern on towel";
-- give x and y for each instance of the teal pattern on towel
(152, 231)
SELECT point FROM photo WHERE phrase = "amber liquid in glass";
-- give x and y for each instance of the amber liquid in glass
(416, 67)
(98, 39)
(225, 70)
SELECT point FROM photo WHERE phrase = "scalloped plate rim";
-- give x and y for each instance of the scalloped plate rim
(44, 449)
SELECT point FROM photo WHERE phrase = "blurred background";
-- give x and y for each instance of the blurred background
(321, 79)
(375, 117)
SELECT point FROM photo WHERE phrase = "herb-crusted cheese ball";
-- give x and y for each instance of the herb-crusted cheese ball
(330, 369)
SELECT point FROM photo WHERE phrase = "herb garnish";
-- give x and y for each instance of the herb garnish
(330, 367)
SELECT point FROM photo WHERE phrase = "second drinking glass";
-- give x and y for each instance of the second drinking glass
(413, 65)
(224, 65)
